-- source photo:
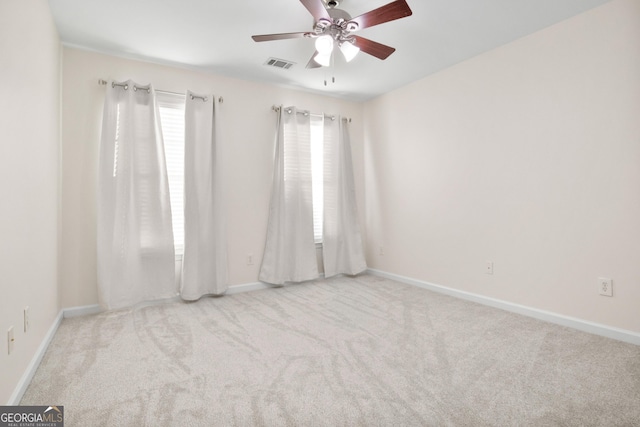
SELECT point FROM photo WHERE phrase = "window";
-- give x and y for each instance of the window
(171, 108)
(317, 174)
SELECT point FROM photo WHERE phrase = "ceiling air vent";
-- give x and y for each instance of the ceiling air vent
(279, 63)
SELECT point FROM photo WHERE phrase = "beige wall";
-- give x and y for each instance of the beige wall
(29, 128)
(246, 130)
(528, 156)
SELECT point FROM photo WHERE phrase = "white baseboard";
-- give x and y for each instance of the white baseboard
(256, 286)
(247, 287)
(24, 382)
(84, 310)
(26, 378)
(547, 316)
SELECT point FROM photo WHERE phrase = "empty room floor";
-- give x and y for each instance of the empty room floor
(339, 352)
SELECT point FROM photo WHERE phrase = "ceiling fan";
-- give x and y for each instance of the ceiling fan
(334, 26)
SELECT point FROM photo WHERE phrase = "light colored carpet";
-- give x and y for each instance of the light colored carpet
(341, 352)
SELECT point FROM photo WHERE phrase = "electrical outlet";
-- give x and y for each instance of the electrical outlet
(10, 340)
(26, 318)
(381, 251)
(488, 269)
(605, 286)
(249, 259)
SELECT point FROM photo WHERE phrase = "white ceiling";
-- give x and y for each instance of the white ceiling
(215, 36)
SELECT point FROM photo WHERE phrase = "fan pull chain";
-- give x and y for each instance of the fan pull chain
(332, 67)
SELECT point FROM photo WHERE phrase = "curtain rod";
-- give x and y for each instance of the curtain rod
(276, 108)
(103, 82)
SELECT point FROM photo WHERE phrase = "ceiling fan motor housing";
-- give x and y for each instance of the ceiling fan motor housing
(338, 15)
(339, 27)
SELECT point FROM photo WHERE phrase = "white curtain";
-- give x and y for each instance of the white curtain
(204, 263)
(342, 250)
(290, 254)
(135, 240)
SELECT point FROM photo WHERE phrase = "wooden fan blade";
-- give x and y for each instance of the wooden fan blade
(316, 8)
(389, 12)
(376, 49)
(312, 63)
(283, 36)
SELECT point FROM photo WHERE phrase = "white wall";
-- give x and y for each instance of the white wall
(528, 156)
(246, 125)
(29, 128)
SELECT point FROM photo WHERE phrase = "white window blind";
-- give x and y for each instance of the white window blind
(171, 107)
(117, 142)
(317, 174)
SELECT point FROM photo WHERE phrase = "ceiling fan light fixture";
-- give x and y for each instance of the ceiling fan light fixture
(323, 23)
(323, 59)
(349, 50)
(335, 26)
(324, 44)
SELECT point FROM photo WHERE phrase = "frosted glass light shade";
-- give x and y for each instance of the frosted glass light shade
(324, 44)
(323, 59)
(349, 50)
